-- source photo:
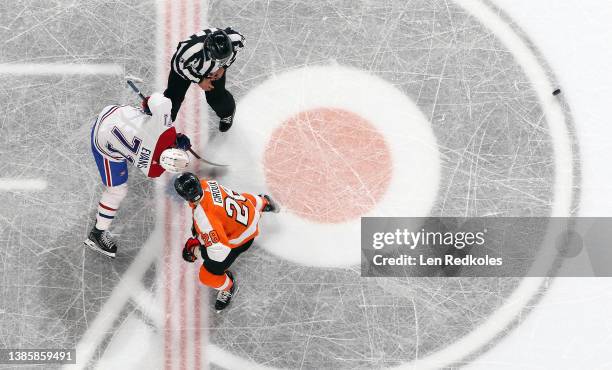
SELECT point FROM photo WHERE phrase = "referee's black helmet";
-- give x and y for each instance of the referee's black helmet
(218, 45)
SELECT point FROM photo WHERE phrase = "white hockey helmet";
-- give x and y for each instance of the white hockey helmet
(174, 160)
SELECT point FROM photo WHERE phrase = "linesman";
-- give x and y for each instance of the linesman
(203, 59)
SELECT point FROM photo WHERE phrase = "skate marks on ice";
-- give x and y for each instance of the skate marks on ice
(331, 155)
(60, 63)
(495, 143)
(20, 184)
(505, 149)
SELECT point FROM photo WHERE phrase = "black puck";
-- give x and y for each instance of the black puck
(557, 92)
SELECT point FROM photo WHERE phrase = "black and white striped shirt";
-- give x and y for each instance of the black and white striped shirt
(192, 63)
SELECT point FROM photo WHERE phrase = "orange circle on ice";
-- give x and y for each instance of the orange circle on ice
(327, 165)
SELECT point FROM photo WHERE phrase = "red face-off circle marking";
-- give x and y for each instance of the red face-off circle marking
(327, 165)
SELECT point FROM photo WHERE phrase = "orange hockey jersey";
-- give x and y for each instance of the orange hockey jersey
(224, 219)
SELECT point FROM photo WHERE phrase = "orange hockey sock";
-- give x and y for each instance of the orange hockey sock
(219, 282)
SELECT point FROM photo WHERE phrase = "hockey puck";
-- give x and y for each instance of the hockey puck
(557, 92)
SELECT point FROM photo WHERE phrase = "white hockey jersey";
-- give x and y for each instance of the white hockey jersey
(127, 133)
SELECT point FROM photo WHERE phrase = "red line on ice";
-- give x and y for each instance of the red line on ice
(184, 318)
(193, 107)
(196, 293)
(167, 262)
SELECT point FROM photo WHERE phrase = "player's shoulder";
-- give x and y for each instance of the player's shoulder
(106, 110)
(213, 192)
(158, 99)
(112, 111)
(160, 106)
(204, 184)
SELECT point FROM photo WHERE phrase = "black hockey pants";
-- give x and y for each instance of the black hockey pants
(218, 268)
(219, 99)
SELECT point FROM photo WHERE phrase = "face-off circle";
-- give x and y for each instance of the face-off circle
(327, 165)
(495, 124)
(317, 138)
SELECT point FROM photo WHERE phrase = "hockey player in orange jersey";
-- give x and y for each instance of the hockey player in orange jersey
(225, 223)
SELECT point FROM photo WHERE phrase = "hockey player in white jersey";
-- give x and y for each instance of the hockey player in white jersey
(143, 137)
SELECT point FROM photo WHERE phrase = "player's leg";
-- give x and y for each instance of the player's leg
(176, 90)
(216, 275)
(114, 175)
(109, 205)
(224, 283)
(222, 102)
(216, 281)
(270, 205)
(263, 202)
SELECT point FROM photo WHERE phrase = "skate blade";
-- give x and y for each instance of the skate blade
(93, 246)
(233, 295)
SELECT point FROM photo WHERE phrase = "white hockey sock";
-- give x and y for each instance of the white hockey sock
(109, 204)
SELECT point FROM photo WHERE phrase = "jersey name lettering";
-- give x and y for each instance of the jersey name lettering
(144, 157)
(216, 193)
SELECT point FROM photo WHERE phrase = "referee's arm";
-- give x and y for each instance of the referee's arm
(181, 59)
(182, 74)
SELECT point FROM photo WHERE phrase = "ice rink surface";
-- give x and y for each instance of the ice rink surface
(454, 117)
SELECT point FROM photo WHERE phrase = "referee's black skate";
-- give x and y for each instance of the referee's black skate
(224, 297)
(101, 242)
(225, 123)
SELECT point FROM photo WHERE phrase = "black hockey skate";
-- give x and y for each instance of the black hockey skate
(101, 242)
(224, 297)
(271, 205)
(225, 123)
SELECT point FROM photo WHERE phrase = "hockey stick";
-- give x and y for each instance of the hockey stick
(205, 161)
(135, 89)
(130, 81)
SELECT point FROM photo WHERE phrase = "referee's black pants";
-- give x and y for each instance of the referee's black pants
(219, 99)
